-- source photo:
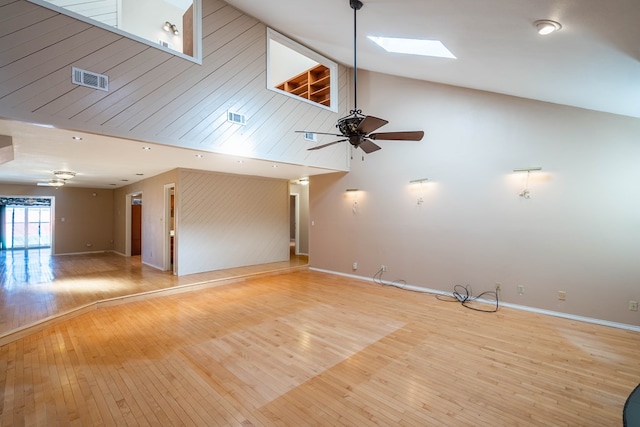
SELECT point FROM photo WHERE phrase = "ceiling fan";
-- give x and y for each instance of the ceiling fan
(356, 127)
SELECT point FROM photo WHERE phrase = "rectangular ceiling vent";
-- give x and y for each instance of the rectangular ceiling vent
(310, 136)
(89, 79)
(237, 118)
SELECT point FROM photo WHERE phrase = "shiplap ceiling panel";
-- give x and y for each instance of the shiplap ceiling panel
(24, 49)
(141, 98)
(76, 98)
(203, 88)
(195, 88)
(30, 27)
(209, 97)
(59, 87)
(124, 79)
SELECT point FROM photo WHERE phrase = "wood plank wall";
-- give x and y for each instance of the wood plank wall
(153, 95)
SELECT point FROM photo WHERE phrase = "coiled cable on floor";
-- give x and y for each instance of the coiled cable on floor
(464, 296)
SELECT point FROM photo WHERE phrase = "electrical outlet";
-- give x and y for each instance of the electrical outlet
(497, 286)
(383, 267)
(520, 290)
(355, 266)
(562, 295)
(633, 305)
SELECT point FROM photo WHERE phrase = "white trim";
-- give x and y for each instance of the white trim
(568, 316)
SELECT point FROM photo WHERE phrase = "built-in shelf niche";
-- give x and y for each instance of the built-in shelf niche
(313, 84)
(299, 72)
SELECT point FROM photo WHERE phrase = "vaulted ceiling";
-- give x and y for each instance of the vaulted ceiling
(593, 62)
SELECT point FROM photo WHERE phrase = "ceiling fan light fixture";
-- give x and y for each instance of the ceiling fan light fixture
(547, 26)
(64, 174)
(422, 47)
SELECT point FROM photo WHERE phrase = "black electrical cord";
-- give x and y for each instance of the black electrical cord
(377, 278)
(464, 296)
(461, 294)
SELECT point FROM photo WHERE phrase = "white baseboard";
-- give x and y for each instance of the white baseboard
(595, 321)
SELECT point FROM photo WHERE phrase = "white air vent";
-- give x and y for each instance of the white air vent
(89, 79)
(164, 44)
(310, 136)
(237, 118)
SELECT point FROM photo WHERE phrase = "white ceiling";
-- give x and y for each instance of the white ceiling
(593, 62)
(105, 162)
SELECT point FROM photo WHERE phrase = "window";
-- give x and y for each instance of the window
(172, 25)
(299, 72)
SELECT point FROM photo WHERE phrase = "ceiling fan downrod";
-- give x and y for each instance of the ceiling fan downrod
(356, 5)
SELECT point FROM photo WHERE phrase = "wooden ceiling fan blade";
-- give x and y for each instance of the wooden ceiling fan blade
(398, 136)
(368, 146)
(325, 145)
(369, 124)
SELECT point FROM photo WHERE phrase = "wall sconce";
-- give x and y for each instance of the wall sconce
(354, 192)
(168, 26)
(525, 193)
(420, 182)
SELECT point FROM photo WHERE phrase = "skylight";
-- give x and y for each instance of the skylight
(413, 46)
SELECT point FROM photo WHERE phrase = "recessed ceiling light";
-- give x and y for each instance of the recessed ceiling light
(124, 180)
(241, 161)
(146, 148)
(274, 166)
(413, 46)
(546, 26)
(140, 174)
(76, 138)
(199, 156)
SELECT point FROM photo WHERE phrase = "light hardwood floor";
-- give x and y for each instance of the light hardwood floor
(309, 348)
(36, 287)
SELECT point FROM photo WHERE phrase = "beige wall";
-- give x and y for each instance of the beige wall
(82, 216)
(579, 232)
(226, 221)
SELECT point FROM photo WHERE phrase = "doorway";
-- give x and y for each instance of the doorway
(133, 226)
(170, 228)
(136, 226)
(294, 224)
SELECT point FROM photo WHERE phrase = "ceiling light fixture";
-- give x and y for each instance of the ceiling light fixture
(546, 26)
(433, 48)
(64, 174)
(56, 182)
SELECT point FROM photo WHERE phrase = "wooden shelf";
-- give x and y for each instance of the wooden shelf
(313, 84)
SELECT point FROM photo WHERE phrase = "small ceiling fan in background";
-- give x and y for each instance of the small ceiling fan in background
(356, 127)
